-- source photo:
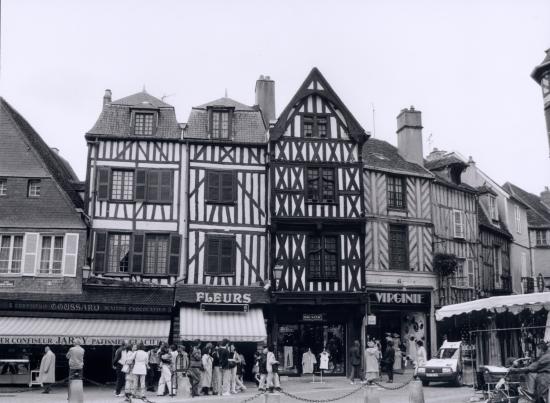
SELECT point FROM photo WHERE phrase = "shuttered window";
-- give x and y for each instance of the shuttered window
(322, 258)
(220, 187)
(11, 254)
(156, 254)
(159, 186)
(398, 247)
(321, 185)
(220, 255)
(458, 224)
(118, 253)
(396, 192)
(51, 254)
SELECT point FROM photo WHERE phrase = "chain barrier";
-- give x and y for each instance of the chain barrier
(334, 399)
(253, 397)
(30, 389)
(397, 387)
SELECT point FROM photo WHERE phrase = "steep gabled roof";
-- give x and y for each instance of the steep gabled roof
(381, 155)
(60, 169)
(323, 90)
(538, 215)
(485, 222)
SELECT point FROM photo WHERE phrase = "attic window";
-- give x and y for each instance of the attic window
(493, 208)
(143, 124)
(220, 123)
(315, 126)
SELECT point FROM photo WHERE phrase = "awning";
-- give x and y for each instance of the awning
(511, 303)
(215, 326)
(27, 330)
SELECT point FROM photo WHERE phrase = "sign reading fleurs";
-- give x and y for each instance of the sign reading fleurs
(223, 297)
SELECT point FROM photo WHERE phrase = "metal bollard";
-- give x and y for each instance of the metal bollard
(371, 394)
(416, 394)
(76, 391)
(272, 398)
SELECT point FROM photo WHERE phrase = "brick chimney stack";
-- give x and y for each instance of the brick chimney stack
(107, 97)
(409, 135)
(545, 197)
(265, 97)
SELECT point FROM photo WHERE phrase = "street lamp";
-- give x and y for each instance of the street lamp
(86, 270)
(277, 274)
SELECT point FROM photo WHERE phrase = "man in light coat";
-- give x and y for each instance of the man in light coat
(47, 370)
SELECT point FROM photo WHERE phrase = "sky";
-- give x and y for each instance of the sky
(465, 64)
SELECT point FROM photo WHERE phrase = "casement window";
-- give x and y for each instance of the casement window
(220, 187)
(33, 188)
(156, 254)
(11, 254)
(541, 237)
(220, 255)
(517, 215)
(497, 266)
(315, 126)
(322, 258)
(220, 123)
(458, 224)
(3, 187)
(119, 253)
(321, 185)
(399, 247)
(144, 124)
(396, 192)
(51, 254)
(122, 185)
(493, 211)
(464, 274)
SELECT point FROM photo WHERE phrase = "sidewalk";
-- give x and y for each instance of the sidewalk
(332, 387)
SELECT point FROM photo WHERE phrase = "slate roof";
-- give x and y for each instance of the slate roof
(58, 167)
(443, 162)
(115, 118)
(439, 178)
(485, 222)
(538, 215)
(381, 155)
(247, 125)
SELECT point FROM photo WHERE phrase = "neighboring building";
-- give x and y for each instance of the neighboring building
(317, 227)
(227, 259)
(399, 235)
(541, 74)
(538, 222)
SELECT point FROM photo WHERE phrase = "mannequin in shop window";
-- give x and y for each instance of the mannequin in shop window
(308, 362)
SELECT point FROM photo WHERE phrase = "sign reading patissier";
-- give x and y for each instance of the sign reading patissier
(223, 297)
(85, 340)
(399, 298)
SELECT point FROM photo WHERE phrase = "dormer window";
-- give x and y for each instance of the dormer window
(315, 126)
(493, 211)
(220, 123)
(143, 124)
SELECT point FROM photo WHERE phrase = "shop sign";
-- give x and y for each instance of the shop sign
(223, 297)
(85, 340)
(7, 284)
(205, 307)
(82, 307)
(313, 317)
(405, 298)
(371, 320)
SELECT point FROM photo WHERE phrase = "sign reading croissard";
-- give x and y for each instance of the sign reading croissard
(223, 297)
(86, 340)
(84, 307)
(392, 297)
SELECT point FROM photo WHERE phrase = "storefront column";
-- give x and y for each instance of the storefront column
(433, 330)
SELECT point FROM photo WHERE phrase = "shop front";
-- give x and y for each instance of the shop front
(402, 315)
(305, 326)
(102, 318)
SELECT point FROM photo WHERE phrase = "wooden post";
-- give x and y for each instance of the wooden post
(416, 394)
(371, 394)
(76, 391)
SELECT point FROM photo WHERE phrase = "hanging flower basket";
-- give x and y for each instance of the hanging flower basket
(445, 264)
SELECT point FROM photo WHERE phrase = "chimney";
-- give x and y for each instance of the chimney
(436, 154)
(107, 97)
(409, 135)
(265, 97)
(545, 197)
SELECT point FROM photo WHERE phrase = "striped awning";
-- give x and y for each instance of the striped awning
(26, 330)
(215, 326)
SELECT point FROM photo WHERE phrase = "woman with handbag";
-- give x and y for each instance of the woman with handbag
(129, 387)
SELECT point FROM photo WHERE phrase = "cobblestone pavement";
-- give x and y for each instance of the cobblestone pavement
(332, 388)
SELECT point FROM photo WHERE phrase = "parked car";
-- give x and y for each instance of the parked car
(446, 366)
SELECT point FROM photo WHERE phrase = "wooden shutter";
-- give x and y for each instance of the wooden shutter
(30, 250)
(174, 254)
(165, 187)
(141, 185)
(212, 186)
(138, 246)
(100, 256)
(212, 256)
(227, 187)
(227, 255)
(103, 183)
(70, 255)
(458, 219)
(153, 186)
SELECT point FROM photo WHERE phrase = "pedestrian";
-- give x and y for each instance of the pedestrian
(195, 366)
(75, 355)
(153, 373)
(182, 366)
(165, 380)
(355, 361)
(262, 369)
(421, 355)
(118, 362)
(47, 370)
(236, 371)
(130, 381)
(224, 365)
(206, 373)
(372, 361)
(272, 370)
(241, 369)
(388, 359)
(141, 365)
(216, 371)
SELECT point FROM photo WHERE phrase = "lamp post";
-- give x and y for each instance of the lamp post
(277, 274)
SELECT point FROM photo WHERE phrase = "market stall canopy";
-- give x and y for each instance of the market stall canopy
(215, 326)
(28, 330)
(511, 303)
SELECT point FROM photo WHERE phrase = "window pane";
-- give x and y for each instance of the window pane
(322, 127)
(3, 187)
(328, 185)
(116, 192)
(398, 248)
(143, 124)
(313, 184)
(128, 186)
(215, 124)
(57, 255)
(224, 131)
(4, 253)
(156, 250)
(45, 255)
(119, 249)
(34, 188)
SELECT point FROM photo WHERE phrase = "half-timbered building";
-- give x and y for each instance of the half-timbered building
(399, 235)
(227, 250)
(317, 224)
